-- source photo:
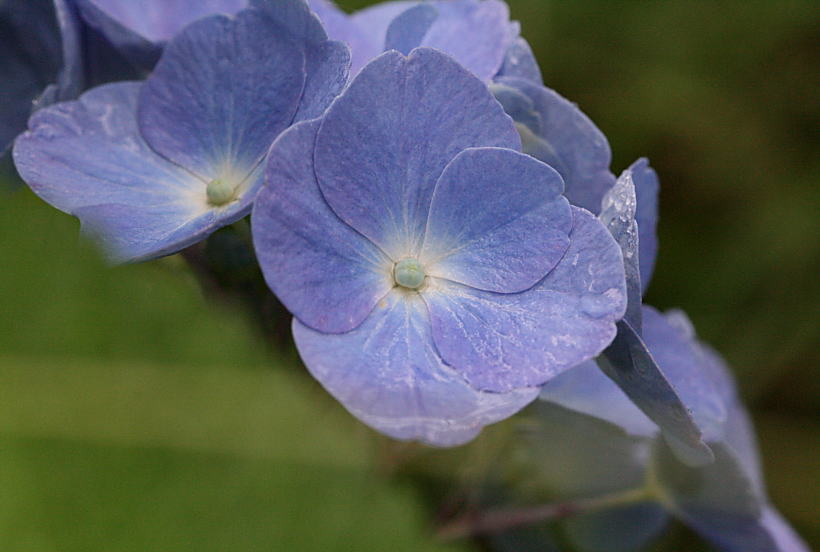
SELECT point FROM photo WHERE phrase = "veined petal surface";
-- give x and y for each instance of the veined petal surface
(223, 90)
(89, 153)
(569, 142)
(328, 275)
(385, 141)
(497, 221)
(387, 373)
(500, 342)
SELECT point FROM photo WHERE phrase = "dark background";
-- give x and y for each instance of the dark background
(137, 415)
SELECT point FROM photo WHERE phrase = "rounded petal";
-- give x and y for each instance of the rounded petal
(87, 158)
(326, 67)
(497, 221)
(505, 341)
(569, 142)
(222, 92)
(647, 188)
(328, 275)
(386, 373)
(385, 141)
(407, 30)
(366, 29)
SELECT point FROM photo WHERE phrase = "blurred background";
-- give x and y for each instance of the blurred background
(138, 414)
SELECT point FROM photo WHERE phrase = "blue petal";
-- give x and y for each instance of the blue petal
(408, 29)
(503, 242)
(385, 141)
(568, 141)
(88, 155)
(618, 215)
(505, 341)
(387, 373)
(40, 61)
(646, 190)
(326, 65)
(617, 529)
(587, 390)
(222, 92)
(520, 62)
(768, 532)
(631, 364)
(139, 29)
(329, 276)
(474, 32)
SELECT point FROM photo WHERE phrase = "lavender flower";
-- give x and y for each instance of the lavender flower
(436, 275)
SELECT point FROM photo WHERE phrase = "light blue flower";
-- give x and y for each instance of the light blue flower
(724, 501)
(436, 275)
(152, 168)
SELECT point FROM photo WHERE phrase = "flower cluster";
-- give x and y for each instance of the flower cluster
(445, 230)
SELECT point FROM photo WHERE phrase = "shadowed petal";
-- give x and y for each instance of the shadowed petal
(409, 116)
(617, 529)
(326, 65)
(329, 276)
(88, 154)
(223, 90)
(497, 221)
(569, 142)
(520, 62)
(647, 188)
(505, 341)
(476, 33)
(387, 373)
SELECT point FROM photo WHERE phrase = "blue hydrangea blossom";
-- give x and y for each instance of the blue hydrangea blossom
(724, 501)
(40, 61)
(152, 168)
(436, 275)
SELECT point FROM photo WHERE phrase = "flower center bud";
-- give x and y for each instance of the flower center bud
(408, 273)
(220, 192)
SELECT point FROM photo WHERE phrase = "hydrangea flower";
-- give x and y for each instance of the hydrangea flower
(40, 61)
(725, 501)
(152, 168)
(436, 275)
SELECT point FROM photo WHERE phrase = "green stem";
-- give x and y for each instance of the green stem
(500, 520)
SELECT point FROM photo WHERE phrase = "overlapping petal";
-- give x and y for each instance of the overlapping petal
(384, 143)
(223, 90)
(477, 33)
(505, 341)
(328, 275)
(40, 61)
(89, 153)
(520, 62)
(568, 141)
(387, 373)
(647, 188)
(497, 221)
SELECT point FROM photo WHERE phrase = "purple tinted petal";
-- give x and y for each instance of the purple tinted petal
(326, 274)
(569, 142)
(678, 355)
(327, 71)
(295, 19)
(618, 215)
(505, 341)
(520, 62)
(386, 373)
(160, 20)
(587, 390)
(784, 537)
(223, 90)
(497, 221)
(408, 29)
(474, 32)
(386, 139)
(88, 154)
(366, 30)
(647, 188)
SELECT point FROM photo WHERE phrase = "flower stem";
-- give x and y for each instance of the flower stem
(489, 522)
